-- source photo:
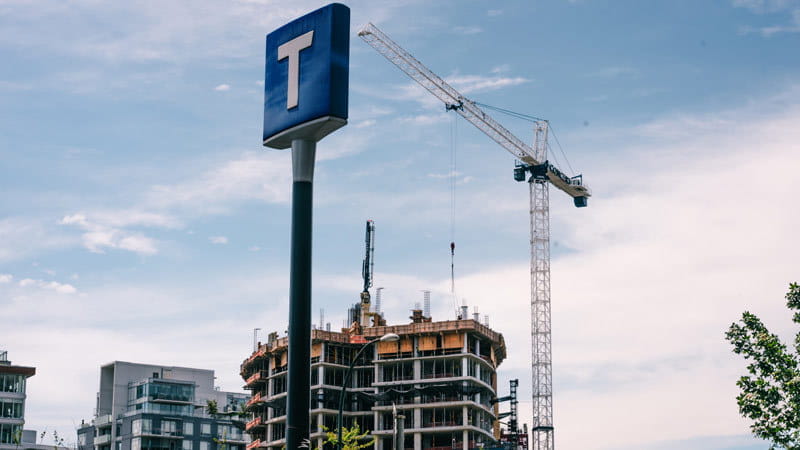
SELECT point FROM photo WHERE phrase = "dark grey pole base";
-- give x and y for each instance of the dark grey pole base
(299, 370)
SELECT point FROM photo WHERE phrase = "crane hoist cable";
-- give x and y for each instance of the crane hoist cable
(534, 119)
(452, 178)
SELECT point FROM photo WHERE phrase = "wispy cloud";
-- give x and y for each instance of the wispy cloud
(365, 123)
(61, 288)
(451, 174)
(22, 237)
(790, 7)
(424, 119)
(218, 240)
(467, 30)
(223, 87)
(6, 278)
(494, 12)
(98, 236)
(614, 72)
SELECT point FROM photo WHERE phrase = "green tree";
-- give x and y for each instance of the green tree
(770, 394)
(352, 438)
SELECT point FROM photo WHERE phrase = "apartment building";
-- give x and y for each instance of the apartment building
(13, 380)
(151, 407)
(13, 393)
(440, 375)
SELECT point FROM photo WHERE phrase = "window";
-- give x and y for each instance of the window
(169, 427)
(147, 425)
(136, 427)
(11, 408)
(12, 383)
(205, 428)
(188, 428)
(203, 445)
(187, 444)
(82, 439)
(136, 444)
(9, 432)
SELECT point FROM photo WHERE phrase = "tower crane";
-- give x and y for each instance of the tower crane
(533, 161)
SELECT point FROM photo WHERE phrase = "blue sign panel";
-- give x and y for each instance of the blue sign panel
(307, 69)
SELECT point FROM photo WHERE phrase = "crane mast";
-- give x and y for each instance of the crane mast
(542, 174)
(541, 337)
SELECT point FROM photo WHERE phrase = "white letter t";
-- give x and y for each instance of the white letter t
(291, 50)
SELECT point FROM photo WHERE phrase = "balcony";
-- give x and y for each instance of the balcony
(256, 444)
(256, 379)
(163, 434)
(102, 421)
(171, 399)
(103, 439)
(255, 423)
(255, 400)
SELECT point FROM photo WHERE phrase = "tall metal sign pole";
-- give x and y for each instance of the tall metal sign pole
(305, 99)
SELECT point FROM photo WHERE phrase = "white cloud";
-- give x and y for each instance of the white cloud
(445, 175)
(60, 288)
(466, 84)
(365, 123)
(790, 7)
(254, 248)
(6, 278)
(476, 83)
(494, 12)
(468, 30)
(218, 239)
(502, 68)
(262, 176)
(99, 236)
(223, 87)
(425, 119)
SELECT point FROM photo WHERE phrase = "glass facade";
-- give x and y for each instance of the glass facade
(9, 433)
(12, 383)
(165, 408)
(159, 390)
(11, 408)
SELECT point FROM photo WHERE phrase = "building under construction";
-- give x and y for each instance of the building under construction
(440, 375)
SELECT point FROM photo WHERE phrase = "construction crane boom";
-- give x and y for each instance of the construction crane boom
(453, 100)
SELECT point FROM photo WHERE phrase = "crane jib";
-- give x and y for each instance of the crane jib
(469, 110)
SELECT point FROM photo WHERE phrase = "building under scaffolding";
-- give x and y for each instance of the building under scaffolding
(440, 375)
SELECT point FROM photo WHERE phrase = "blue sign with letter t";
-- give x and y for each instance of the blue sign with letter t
(306, 79)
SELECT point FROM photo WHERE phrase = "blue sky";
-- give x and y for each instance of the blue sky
(142, 220)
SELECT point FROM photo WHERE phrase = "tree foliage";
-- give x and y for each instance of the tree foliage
(352, 438)
(770, 394)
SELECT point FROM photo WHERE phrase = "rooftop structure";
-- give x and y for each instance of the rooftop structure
(440, 375)
(150, 407)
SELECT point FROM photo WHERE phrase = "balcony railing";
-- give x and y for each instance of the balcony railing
(103, 420)
(255, 444)
(155, 432)
(260, 376)
(102, 439)
(254, 399)
(253, 423)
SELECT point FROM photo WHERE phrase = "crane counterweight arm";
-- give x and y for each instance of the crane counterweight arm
(465, 107)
